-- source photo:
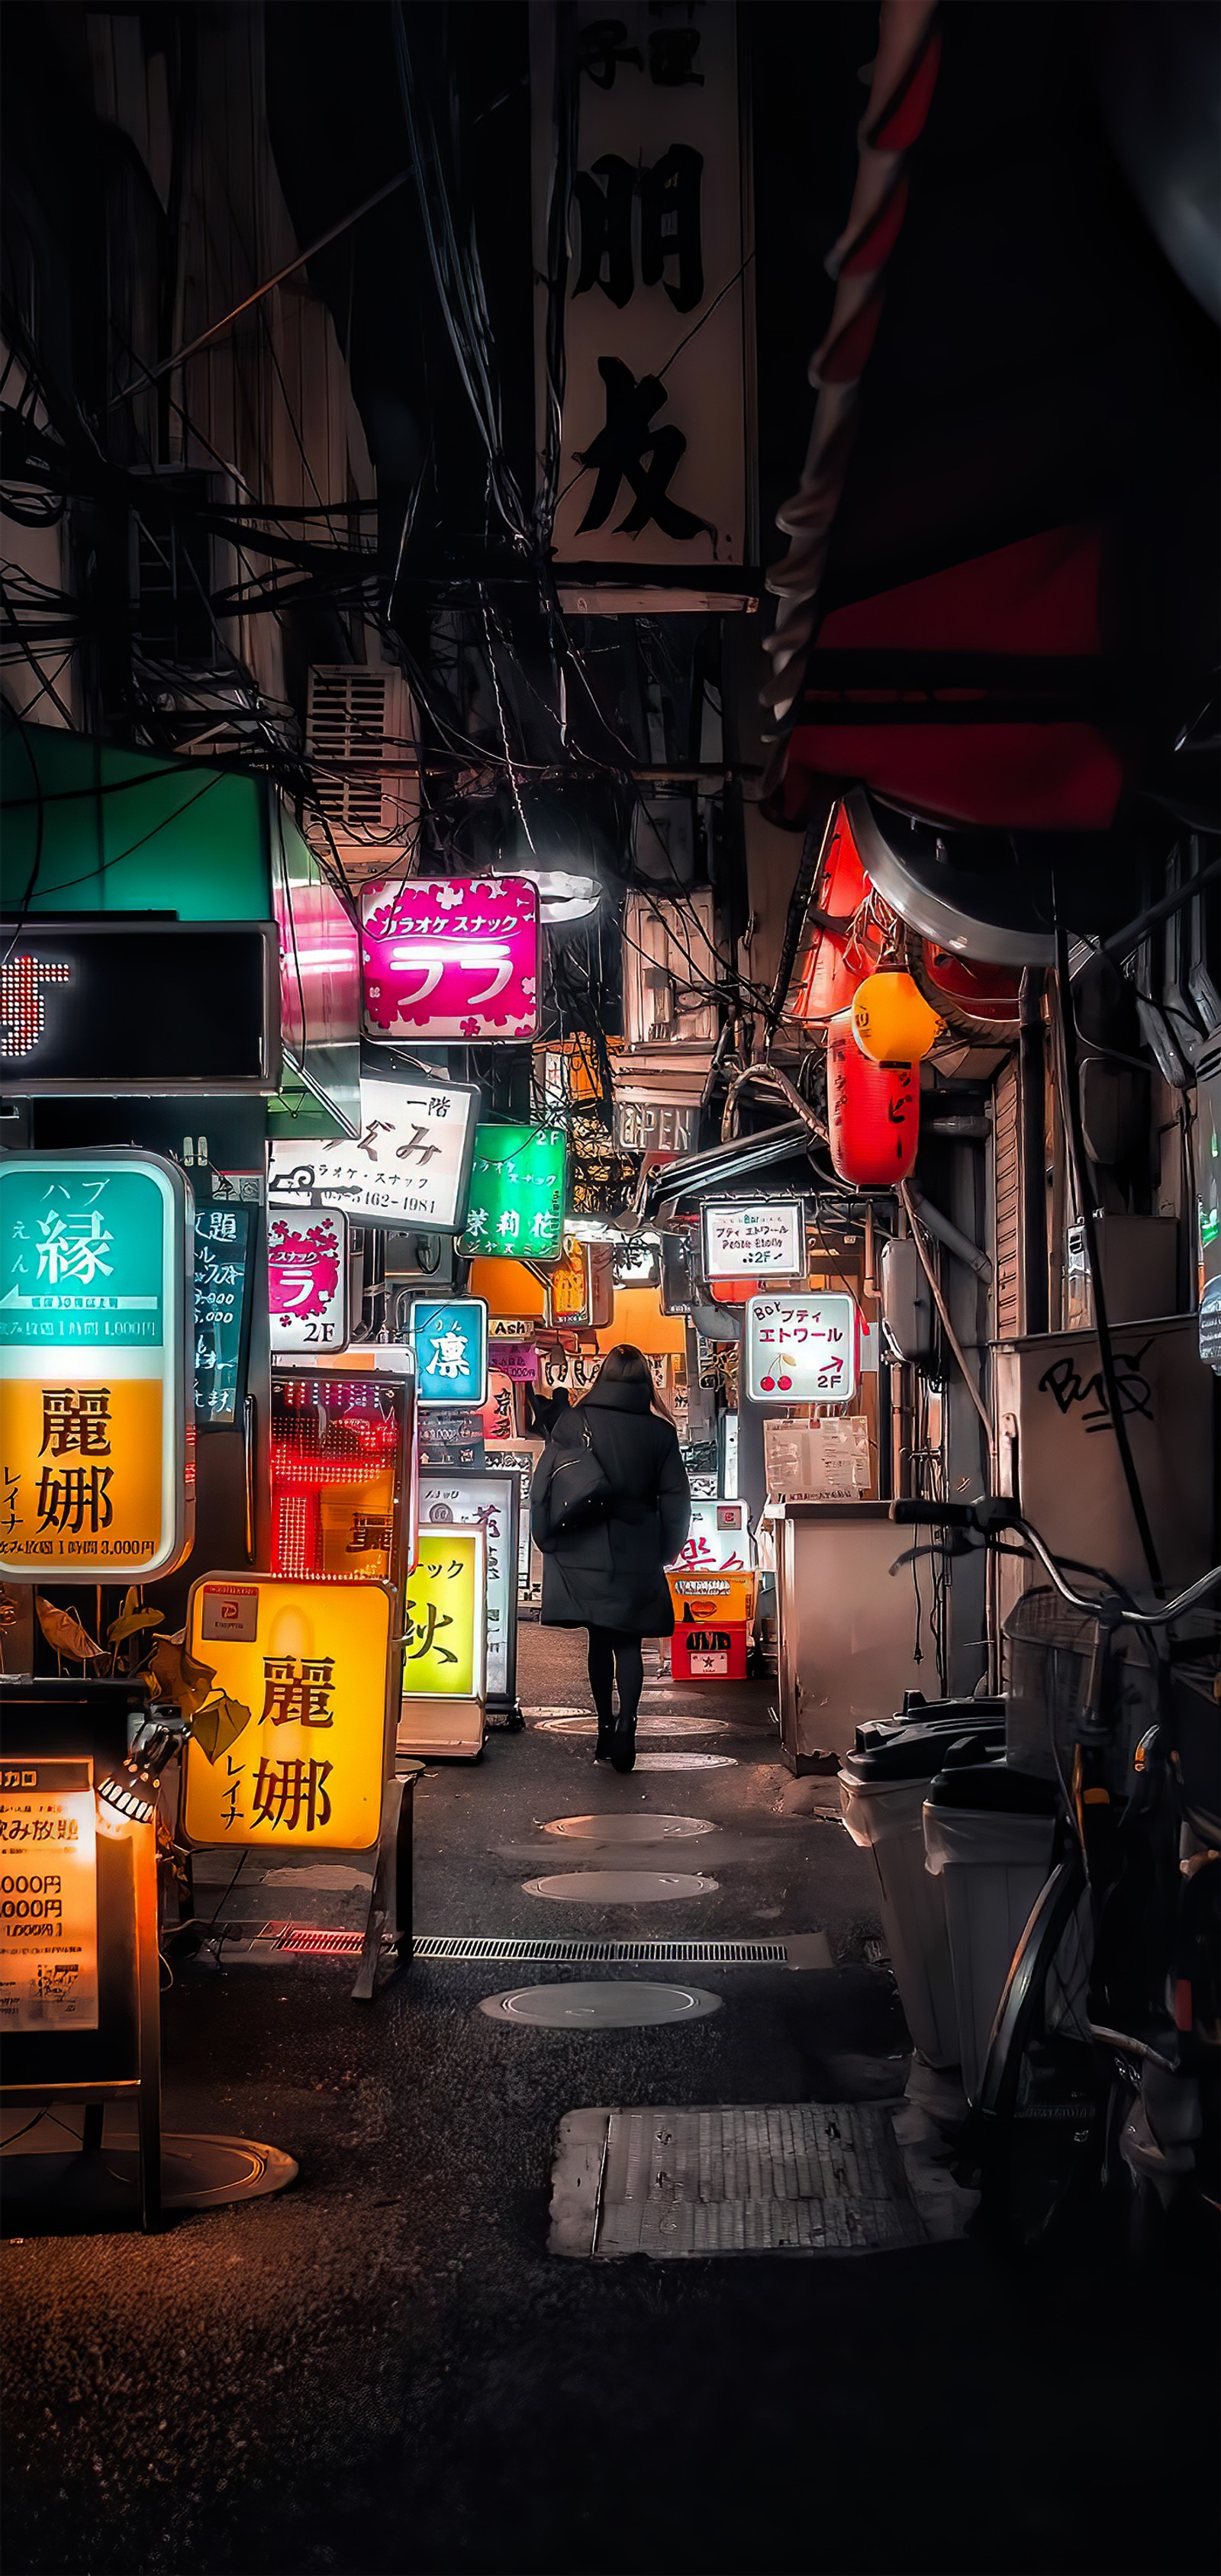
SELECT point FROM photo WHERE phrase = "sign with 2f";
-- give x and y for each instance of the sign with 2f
(307, 1279)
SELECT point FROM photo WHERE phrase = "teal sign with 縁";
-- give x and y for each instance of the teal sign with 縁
(81, 1257)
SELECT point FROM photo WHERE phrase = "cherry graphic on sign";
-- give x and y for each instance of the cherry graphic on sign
(786, 1382)
(767, 1383)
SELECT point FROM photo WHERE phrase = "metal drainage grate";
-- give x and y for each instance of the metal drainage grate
(322, 1945)
(728, 1954)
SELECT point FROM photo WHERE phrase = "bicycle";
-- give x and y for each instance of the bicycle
(1102, 2071)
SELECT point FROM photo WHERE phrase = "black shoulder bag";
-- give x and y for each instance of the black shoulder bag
(580, 1489)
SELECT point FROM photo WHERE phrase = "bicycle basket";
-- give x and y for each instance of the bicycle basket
(1049, 1649)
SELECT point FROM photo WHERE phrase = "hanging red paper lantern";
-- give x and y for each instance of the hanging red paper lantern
(873, 1112)
(840, 953)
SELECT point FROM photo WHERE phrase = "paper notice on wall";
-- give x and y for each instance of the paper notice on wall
(48, 1897)
(818, 1462)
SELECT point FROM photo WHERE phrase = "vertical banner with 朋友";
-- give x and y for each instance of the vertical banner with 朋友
(643, 316)
(97, 1476)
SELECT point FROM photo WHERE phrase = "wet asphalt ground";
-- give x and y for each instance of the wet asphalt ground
(383, 2372)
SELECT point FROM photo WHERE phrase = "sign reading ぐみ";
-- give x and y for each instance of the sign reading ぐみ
(450, 958)
(307, 1279)
(96, 1439)
(801, 1349)
(291, 1747)
(410, 1162)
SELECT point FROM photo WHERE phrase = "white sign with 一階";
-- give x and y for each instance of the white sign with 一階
(48, 1896)
(752, 1239)
(646, 438)
(801, 1349)
(409, 1165)
(718, 1541)
(307, 1279)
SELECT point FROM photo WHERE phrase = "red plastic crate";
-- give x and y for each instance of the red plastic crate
(714, 1652)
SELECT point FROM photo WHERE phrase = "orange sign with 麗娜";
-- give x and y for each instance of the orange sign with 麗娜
(289, 1749)
(82, 1470)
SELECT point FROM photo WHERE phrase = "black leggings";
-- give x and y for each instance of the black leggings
(612, 1653)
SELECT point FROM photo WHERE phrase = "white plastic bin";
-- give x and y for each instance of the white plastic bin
(990, 1860)
(886, 1818)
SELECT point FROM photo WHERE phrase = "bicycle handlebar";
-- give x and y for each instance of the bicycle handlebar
(999, 1512)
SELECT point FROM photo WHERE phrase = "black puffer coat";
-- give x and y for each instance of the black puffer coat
(610, 1574)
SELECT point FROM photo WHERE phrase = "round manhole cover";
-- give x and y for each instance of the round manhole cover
(645, 1726)
(629, 1829)
(627, 2006)
(686, 1761)
(618, 1886)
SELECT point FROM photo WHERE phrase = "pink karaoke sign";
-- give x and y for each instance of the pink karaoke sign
(450, 958)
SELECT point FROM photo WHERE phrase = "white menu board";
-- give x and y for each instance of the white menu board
(818, 1462)
(753, 1239)
(801, 1349)
(48, 1896)
(409, 1165)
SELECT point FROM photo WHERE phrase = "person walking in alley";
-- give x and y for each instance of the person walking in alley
(610, 1509)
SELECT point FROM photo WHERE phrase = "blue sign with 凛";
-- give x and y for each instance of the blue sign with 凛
(449, 1336)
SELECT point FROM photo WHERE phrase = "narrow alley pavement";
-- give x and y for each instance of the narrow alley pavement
(383, 2369)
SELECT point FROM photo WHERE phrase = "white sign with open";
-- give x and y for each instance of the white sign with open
(753, 1239)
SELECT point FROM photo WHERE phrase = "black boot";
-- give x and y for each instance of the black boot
(602, 1749)
(623, 1744)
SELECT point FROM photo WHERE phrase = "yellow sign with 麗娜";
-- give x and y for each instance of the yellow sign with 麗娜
(82, 1471)
(289, 1749)
(444, 1639)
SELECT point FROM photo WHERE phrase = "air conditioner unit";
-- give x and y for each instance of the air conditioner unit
(671, 970)
(360, 741)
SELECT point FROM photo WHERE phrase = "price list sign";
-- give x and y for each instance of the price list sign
(222, 1273)
(48, 1897)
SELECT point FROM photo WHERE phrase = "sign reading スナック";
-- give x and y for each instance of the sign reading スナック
(449, 1336)
(290, 1748)
(97, 1463)
(516, 1203)
(651, 475)
(307, 1279)
(411, 1159)
(450, 958)
(801, 1349)
(482, 1502)
(753, 1241)
(48, 1896)
(445, 1629)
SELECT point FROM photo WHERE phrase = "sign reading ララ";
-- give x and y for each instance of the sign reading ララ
(410, 1161)
(307, 1279)
(289, 1750)
(801, 1349)
(449, 1336)
(48, 1896)
(97, 1471)
(516, 1203)
(450, 958)
(758, 1240)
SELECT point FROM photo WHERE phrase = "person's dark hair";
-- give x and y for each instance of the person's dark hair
(626, 1366)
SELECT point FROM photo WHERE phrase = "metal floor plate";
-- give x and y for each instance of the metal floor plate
(610, 1828)
(619, 1886)
(627, 2004)
(644, 1953)
(686, 1761)
(587, 1725)
(787, 2178)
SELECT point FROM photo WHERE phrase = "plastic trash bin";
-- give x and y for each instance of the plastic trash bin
(988, 1834)
(883, 1787)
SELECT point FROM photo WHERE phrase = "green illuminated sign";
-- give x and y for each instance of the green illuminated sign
(516, 1203)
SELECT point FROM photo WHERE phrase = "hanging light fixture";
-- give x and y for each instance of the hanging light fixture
(564, 896)
(891, 1021)
(873, 1112)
